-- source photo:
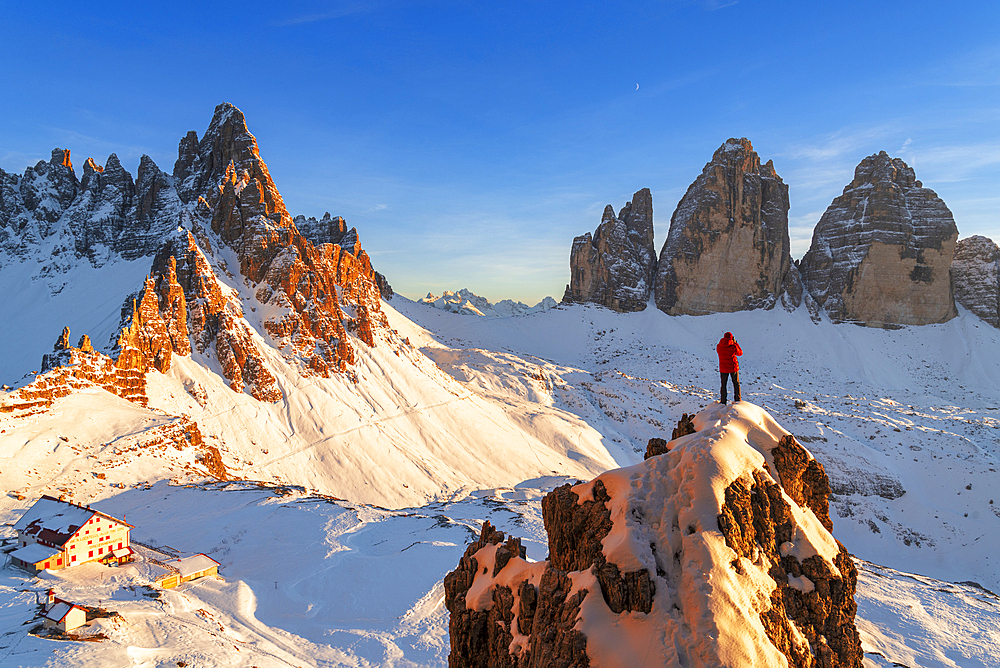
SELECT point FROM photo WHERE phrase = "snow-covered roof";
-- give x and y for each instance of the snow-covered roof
(193, 564)
(123, 552)
(55, 521)
(58, 611)
(34, 553)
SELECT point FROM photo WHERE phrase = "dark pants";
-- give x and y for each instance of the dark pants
(736, 384)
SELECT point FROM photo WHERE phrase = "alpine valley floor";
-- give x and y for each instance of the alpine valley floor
(905, 422)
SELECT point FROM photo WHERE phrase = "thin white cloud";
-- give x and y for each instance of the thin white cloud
(840, 144)
(715, 5)
(340, 10)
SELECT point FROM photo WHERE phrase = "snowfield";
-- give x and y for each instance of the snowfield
(359, 497)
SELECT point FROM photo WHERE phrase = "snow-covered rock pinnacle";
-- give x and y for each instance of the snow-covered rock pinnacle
(615, 266)
(975, 271)
(881, 252)
(727, 248)
(715, 553)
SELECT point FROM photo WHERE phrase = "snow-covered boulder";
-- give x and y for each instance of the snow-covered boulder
(976, 274)
(465, 302)
(881, 253)
(727, 248)
(615, 266)
(716, 553)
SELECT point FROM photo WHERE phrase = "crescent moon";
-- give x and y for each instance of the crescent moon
(637, 86)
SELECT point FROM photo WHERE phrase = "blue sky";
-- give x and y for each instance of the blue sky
(469, 142)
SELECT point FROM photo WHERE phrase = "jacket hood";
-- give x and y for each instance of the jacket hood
(728, 336)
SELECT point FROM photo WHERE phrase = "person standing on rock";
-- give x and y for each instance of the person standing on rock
(729, 366)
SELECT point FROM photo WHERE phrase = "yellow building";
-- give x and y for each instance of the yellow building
(187, 569)
(55, 534)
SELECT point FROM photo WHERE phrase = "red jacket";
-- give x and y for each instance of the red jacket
(728, 351)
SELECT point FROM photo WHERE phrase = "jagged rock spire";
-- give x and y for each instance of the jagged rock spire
(728, 248)
(615, 266)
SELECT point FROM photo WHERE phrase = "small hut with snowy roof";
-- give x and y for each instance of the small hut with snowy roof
(64, 616)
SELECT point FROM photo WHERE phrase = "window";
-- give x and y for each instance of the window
(119, 545)
(90, 554)
(73, 558)
(100, 551)
(59, 561)
(46, 564)
(90, 542)
(88, 530)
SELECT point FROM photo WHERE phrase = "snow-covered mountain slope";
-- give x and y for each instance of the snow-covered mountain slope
(905, 421)
(89, 303)
(403, 433)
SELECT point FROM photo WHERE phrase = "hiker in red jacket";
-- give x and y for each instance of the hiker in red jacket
(728, 351)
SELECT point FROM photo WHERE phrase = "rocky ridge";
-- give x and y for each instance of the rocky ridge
(881, 252)
(975, 272)
(615, 266)
(652, 564)
(50, 215)
(219, 208)
(728, 247)
(465, 302)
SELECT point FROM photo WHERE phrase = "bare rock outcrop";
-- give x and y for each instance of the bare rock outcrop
(69, 367)
(615, 266)
(881, 253)
(727, 248)
(717, 550)
(975, 272)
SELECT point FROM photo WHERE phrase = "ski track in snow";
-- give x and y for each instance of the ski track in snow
(905, 421)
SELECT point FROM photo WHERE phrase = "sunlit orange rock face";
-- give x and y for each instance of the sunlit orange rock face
(321, 293)
(68, 368)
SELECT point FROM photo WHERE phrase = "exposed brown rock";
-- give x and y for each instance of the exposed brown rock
(69, 368)
(803, 478)
(84, 344)
(555, 642)
(327, 294)
(482, 637)
(146, 330)
(757, 519)
(215, 323)
(656, 446)
(807, 614)
(728, 248)
(61, 157)
(615, 266)
(881, 253)
(684, 427)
